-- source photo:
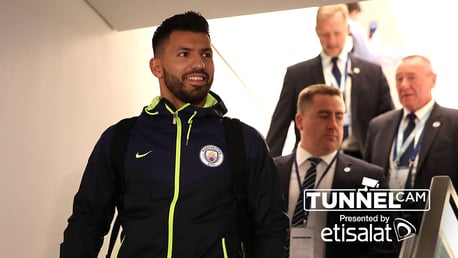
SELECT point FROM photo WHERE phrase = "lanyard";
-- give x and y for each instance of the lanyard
(400, 147)
(296, 167)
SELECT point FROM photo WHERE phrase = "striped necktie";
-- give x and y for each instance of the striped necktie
(300, 215)
(404, 161)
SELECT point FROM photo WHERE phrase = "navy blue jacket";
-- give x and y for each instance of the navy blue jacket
(179, 200)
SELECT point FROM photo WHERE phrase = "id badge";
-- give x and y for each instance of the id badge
(301, 243)
(398, 177)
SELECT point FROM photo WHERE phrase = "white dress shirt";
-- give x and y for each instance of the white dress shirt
(316, 219)
(343, 62)
(396, 180)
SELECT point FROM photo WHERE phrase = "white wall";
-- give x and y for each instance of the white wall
(427, 27)
(65, 76)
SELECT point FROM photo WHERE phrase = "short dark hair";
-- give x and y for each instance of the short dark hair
(354, 7)
(305, 97)
(188, 21)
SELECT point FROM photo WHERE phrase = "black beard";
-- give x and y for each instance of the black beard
(176, 86)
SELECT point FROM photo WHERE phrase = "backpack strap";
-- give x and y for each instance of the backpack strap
(238, 165)
(118, 150)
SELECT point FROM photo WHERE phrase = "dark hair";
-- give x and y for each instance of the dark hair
(188, 21)
(354, 7)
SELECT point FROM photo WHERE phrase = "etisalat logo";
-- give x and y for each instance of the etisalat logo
(370, 227)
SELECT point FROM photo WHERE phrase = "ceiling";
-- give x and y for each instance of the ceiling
(133, 14)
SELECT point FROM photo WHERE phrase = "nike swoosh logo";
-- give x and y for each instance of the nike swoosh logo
(139, 156)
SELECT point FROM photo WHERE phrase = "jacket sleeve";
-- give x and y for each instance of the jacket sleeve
(385, 101)
(93, 207)
(282, 117)
(367, 152)
(265, 201)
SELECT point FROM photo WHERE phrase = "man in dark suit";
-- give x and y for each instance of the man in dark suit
(364, 84)
(319, 118)
(433, 145)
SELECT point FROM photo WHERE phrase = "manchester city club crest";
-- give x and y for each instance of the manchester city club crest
(211, 156)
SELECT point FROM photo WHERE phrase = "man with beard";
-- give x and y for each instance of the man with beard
(178, 198)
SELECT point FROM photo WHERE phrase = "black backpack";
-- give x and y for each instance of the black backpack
(238, 167)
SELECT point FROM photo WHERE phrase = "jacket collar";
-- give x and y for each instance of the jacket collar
(213, 104)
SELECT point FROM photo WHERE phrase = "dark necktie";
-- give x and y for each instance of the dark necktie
(404, 161)
(300, 215)
(336, 71)
(338, 76)
(345, 132)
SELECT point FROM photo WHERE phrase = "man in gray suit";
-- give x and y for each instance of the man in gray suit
(319, 118)
(363, 83)
(411, 159)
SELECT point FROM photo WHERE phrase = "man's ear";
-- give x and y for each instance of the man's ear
(298, 120)
(156, 67)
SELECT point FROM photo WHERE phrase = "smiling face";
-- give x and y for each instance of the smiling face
(185, 68)
(321, 124)
(415, 80)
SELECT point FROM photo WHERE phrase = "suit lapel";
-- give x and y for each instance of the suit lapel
(356, 83)
(430, 131)
(317, 70)
(342, 172)
(390, 130)
(285, 169)
(355, 71)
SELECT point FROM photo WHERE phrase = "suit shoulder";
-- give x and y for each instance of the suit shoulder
(361, 164)
(365, 63)
(448, 116)
(305, 64)
(452, 112)
(279, 160)
(380, 119)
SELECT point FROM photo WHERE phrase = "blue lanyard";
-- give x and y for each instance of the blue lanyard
(342, 83)
(400, 148)
(296, 167)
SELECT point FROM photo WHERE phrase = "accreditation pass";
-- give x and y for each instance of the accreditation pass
(301, 243)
